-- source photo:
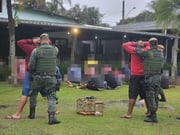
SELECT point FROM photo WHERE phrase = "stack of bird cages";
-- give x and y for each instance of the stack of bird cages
(90, 106)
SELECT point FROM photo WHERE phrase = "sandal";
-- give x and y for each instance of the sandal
(12, 117)
(126, 116)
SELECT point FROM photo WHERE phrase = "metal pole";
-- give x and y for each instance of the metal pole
(123, 10)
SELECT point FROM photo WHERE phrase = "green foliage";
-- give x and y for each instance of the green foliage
(167, 66)
(85, 15)
(144, 16)
(63, 66)
(4, 72)
(167, 13)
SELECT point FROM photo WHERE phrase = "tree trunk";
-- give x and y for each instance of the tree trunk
(174, 58)
(73, 48)
(11, 28)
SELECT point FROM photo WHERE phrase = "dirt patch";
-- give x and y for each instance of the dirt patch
(6, 106)
(165, 106)
(124, 101)
(3, 126)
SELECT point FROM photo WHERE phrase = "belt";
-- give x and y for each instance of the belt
(153, 74)
(44, 74)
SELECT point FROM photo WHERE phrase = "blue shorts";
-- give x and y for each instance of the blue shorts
(26, 86)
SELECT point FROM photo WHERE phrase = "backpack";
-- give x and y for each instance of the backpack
(111, 81)
(96, 83)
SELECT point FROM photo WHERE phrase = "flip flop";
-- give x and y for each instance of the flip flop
(125, 116)
(11, 117)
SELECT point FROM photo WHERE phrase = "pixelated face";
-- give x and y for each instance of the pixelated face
(160, 48)
(37, 42)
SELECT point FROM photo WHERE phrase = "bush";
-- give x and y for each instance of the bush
(167, 66)
(4, 72)
(63, 66)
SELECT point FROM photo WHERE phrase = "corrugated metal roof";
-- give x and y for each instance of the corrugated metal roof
(140, 26)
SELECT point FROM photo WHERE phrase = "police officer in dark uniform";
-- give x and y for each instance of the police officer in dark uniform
(43, 62)
(153, 62)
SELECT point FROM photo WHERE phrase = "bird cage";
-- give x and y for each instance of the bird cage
(90, 106)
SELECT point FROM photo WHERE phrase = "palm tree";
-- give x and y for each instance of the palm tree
(168, 13)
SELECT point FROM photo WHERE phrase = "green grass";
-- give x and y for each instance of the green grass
(75, 124)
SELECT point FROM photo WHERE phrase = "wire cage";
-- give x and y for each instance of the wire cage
(90, 106)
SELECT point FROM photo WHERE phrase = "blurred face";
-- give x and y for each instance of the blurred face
(36, 41)
(45, 41)
(160, 49)
(140, 43)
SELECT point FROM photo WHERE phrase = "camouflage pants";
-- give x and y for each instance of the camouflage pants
(44, 82)
(152, 87)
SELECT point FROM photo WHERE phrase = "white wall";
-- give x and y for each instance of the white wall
(4, 10)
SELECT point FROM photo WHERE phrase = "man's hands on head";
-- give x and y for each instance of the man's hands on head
(140, 43)
(36, 41)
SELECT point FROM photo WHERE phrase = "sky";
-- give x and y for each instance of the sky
(112, 9)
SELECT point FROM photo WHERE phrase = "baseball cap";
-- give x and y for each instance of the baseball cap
(44, 35)
(152, 39)
(160, 46)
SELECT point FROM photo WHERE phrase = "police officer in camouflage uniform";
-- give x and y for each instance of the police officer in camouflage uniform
(43, 62)
(153, 62)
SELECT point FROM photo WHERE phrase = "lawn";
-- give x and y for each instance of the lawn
(75, 124)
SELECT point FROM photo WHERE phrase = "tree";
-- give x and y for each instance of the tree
(152, 5)
(41, 4)
(91, 16)
(57, 7)
(86, 15)
(143, 16)
(168, 13)
(74, 12)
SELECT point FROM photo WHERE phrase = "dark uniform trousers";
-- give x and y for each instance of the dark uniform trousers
(152, 87)
(47, 82)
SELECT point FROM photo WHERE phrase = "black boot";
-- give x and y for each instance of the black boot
(152, 118)
(52, 119)
(163, 98)
(31, 113)
(148, 115)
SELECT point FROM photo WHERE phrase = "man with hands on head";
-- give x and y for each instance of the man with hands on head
(137, 74)
(27, 45)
